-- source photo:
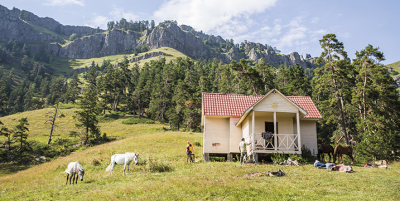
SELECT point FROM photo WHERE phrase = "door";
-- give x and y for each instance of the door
(269, 126)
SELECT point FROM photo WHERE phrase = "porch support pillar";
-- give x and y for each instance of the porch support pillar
(253, 134)
(298, 129)
(275, 137)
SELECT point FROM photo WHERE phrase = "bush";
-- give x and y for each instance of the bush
(131, 121)
(73, 37)
(140, 48)
(306, 155)
(110, 117)
(104, 137)
(62, 141)
(282, 157)
(197, 144)
(157, 166)
(95, 162)
(279, 157)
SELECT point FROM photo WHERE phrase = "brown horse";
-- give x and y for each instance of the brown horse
(324, 148)
(343, 149)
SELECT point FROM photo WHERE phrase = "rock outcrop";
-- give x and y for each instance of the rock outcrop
(100, 45)
(25, 26)
(16, 25)
(147, 56)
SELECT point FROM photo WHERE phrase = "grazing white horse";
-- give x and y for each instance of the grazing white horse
(74, 168)
(125, 159)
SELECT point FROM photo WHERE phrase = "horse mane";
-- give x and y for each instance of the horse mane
(131, 155)
(79, 166)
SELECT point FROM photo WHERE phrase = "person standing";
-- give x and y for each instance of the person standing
(189, 151)
(243, 150)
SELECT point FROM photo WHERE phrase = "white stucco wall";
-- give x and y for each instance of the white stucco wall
(235, 135)
(283, 105)
(216, 135)
(308, 132)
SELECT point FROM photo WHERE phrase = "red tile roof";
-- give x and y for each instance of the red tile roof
(307, 104)
(236, 104)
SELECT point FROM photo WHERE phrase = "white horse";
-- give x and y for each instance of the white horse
(125, 159)
(74, 168)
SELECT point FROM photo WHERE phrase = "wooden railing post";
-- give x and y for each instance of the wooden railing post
(298, 129)
(253, 133)
(275, 136)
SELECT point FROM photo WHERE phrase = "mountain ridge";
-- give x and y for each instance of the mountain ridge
(18, 25)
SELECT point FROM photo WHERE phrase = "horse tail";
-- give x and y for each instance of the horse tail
(109, 167)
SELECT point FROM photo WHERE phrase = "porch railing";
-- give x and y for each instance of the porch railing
(284, 142)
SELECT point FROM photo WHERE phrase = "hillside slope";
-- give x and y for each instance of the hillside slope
(39, 130)
(198, 181)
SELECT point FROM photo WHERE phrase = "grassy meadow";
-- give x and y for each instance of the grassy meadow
(198, 181)
(39, 130)
(65, 65)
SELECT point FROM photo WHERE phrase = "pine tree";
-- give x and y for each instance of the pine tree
(224, 82)
(44, 88)
(267, 75)
(299, 84)
(87, 115)
(6, 133)
(333, 76)
(21, 136)
(375, 96)
(250, 75)
(73, 89)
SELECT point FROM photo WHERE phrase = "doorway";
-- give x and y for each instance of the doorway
(269, 127)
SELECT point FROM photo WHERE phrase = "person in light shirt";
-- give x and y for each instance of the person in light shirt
(243, 150)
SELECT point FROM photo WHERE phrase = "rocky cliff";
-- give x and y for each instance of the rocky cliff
(16, 25)
(25, 26)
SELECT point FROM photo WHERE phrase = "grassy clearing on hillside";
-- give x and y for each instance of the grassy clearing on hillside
(39, 130)
(395, 66)
(66, 65)
(198, 181)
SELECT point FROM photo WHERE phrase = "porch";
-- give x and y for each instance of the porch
(285, 138)
(284, 143)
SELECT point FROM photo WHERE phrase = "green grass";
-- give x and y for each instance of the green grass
(395, 66)
(41, 29)
(63, 65)
(39, 130)
(198, 181)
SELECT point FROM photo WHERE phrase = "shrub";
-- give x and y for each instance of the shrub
(73, 37)
(306, 155)
(197, 144)
(110, 117)
(157, 166)
(104, 137)
(282, 157)
(278, 157)
(95, 162)
(131, 121)
(61, 141)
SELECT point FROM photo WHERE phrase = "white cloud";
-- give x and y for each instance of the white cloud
(115, 15)
(63, 2)
(207, 15)
(314, 20)
(98, 21)
(118, 13)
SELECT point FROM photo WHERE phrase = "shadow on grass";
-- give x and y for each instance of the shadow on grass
(10, 168)
(88, 181)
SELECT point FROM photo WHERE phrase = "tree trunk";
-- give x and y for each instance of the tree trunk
(52, 124)
(341, 113)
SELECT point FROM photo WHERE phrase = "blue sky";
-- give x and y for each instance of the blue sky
(290, 25)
